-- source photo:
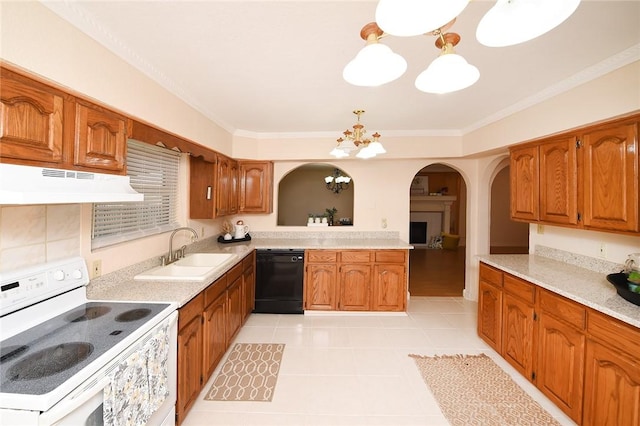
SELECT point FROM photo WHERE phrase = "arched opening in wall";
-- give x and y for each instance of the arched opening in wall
(437, 230)
(505, 235)
(304, 191)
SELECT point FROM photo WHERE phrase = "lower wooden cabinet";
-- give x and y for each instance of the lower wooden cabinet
(560, 366)
(586, 362)
(612, 383)
(517, 334)
(355, 280)
(190, 377)
(206, 327)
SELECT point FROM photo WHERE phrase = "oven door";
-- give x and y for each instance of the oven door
(85, 405)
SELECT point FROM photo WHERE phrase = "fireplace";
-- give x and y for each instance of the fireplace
(418, 233)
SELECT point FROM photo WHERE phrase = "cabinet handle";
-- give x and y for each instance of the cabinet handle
(208, 192)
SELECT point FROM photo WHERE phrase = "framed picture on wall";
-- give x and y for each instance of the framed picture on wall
(420, 185)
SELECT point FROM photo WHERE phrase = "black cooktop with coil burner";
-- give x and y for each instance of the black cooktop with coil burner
(43, 357)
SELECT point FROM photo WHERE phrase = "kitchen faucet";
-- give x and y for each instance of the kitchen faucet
(172, 258)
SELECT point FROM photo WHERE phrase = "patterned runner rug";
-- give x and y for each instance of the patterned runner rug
(473, 390)
(249, 373)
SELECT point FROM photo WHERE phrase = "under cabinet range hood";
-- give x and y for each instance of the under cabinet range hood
(38, 185)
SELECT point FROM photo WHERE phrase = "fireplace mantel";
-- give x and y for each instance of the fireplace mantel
(434, 203)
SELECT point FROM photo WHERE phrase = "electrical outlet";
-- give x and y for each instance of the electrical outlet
(603, 250)
(383, 223)
(540, 229)
(96, 268)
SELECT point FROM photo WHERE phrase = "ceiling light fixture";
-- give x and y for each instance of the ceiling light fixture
(376, 64)
(507, 23)
(337, 182)
(354, 140)
(511, 22)
(415, 17)
(449, 72)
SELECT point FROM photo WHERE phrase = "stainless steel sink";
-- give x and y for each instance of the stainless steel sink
(193, 267)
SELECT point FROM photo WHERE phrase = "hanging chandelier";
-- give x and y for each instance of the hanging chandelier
(337, 182)
(507, 23)
(356, 140)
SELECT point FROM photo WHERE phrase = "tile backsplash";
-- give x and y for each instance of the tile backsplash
(30, 235)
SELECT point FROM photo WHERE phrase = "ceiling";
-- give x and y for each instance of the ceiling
(272, 68)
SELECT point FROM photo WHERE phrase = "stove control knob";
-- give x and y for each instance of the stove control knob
(77, 274)
(58, 275)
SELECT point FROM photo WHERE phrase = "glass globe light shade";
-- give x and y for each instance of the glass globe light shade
(377, 148)
(414, 17)
(347, 146)
(375, 65)
(447, 73)
(366, 152)
(338, 153)
(511, 22)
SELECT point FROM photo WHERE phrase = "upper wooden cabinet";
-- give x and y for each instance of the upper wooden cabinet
(524, 183)
(100, 138)
(587, 178)
(610, 159)
(256, 186)
(32, 120)
(44, 126)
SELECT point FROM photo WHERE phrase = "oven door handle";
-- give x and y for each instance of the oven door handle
(68, 405)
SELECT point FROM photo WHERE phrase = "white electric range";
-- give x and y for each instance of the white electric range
(67, 360)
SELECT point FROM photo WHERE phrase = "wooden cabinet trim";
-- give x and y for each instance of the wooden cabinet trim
(191, 310)
(614, 333)
(490, 274)
(355, 256)
(563, 309)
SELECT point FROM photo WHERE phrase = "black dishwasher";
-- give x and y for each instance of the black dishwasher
(279, 281)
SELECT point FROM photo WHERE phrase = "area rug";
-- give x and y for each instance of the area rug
(473, 390)
(249, 373)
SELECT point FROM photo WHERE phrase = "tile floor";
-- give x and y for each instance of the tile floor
(354, 370)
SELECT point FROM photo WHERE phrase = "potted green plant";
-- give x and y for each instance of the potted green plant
(330, 213)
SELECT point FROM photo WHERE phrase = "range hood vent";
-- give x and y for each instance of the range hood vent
(38, 185)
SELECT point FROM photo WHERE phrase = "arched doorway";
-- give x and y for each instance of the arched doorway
(437, 230)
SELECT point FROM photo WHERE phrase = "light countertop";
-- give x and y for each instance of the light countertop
(582, 285)
(120, 285)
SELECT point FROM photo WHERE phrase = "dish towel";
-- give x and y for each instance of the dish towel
(139, 385)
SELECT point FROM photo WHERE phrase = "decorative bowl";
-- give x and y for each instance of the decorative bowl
(620, 282)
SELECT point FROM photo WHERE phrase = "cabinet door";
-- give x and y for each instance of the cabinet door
(524, 183)
(234, 187)
(560, 365)
(189, 366)
(320, 287)
(256, 186)
(223, 185)
(612, 387)
(490, 314)
(389, 291)
(248, 291)
(100, 138)
(355, 288)
(558, 181)
(610, 159)
(201, 187)
(517, 334)
(234, 308)
(214, 334)
(32, 119)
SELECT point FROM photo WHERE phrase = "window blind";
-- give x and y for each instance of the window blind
(153, 171)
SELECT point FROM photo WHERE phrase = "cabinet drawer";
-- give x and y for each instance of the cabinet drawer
(563, 309)
(248, 261)
(490, 274)
(234, 273)
(355, 256)
(191, 310)
(212, 292)
(321, 256)
(614, 333)
(391, 256)
(519, 288)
